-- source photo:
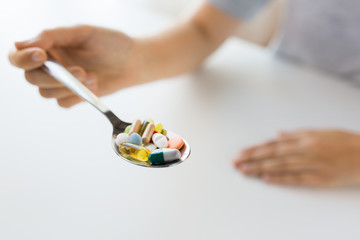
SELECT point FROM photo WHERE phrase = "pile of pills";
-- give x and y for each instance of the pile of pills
(149, 143)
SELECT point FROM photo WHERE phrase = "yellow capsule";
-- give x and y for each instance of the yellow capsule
(164, 132)
(134, 152)
(150, 120)
(158, 127)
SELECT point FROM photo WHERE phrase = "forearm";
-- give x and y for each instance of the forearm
(186, 46)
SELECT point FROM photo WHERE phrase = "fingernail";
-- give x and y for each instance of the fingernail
(37, 57)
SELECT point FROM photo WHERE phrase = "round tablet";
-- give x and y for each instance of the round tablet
(176, 143)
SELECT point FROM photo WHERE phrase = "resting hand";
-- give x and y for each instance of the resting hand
(310, 158)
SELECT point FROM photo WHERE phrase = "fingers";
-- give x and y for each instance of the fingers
(300, 179)
(268, 150)
(41, 79)
(58, 93)
(69, 101)
(296, 134)
(28, 59)
(31, 54)
(58, 37)
(51, 88)
(276, 165)
(92, 82)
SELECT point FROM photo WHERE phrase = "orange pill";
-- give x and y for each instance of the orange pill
(176, 143)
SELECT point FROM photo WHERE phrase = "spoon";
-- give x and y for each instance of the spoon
(61, 74)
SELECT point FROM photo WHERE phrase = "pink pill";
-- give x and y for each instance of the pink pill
(176, 143)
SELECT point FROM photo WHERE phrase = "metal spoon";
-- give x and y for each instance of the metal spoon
(60, 73)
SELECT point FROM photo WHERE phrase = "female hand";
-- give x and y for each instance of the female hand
(310, 158)
(104, 60)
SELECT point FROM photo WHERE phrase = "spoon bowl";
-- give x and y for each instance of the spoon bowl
(185, 153)
(61, 74)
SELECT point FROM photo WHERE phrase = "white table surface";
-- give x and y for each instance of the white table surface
(60, 179)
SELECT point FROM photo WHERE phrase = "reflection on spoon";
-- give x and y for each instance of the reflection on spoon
(65, 77)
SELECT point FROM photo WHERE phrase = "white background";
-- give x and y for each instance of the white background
(59, 178)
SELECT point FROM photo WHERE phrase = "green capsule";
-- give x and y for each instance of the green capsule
(164, 132)
(127, 129)
(164, 155)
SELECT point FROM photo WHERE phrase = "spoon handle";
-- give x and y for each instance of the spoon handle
(65, 77)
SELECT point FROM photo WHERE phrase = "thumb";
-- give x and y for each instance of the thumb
(58, 37)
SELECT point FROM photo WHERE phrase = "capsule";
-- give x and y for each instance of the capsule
(135, 127)
(150, 120)
(149, 131)
(164, 132)
(164, 155)
(134, 152)
(143, 127)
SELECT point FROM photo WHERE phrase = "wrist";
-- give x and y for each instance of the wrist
(145, 61)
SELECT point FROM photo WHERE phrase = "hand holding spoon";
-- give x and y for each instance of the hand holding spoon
(65, 77)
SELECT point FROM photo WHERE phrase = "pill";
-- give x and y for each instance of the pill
(135, 139)
(151, 141)
(135, 127)
(151, 147)
(143, 127)
(121, 138)
(134, 152)
(150, 120)
(127, 129)
(164, 155)
(158, 127)
(146, 137)
(164, 132)
(160, 140)
(176, 142)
